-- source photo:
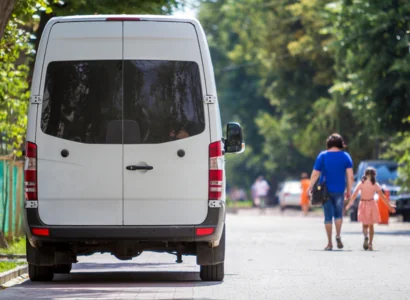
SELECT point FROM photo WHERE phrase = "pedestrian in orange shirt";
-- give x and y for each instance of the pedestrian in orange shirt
(304, 198)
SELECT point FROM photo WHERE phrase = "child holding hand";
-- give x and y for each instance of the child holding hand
(368, 213)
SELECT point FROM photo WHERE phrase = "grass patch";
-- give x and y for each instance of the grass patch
(9, 265)
(239, 204)
(18, 246)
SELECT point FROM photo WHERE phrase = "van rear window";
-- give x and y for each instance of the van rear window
(130, 101)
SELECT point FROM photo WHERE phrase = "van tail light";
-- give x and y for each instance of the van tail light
(216, 162)
(40, 231)
(30, 172)
(286, 195)
(204, 231)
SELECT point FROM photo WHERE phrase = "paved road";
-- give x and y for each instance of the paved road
(268, 257)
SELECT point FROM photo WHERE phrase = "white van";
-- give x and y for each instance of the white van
(125, 148)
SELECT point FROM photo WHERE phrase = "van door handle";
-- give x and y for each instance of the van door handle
(135, 168)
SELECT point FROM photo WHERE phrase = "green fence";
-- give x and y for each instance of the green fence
(11, 198)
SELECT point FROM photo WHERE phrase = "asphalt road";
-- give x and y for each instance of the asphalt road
(268, 257)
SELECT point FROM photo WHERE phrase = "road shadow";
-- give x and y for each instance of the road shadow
(393, 232)
(119, 266)
(331, 251)
(120, 279)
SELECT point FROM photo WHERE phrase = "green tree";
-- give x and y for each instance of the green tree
(239, 85)
(14, 94)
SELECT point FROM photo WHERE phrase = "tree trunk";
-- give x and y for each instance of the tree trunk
(3, 242)
(6, 8)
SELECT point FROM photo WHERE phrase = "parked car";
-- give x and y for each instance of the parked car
(289, 193)
(125, 147)
(386, 176)
(403, 206)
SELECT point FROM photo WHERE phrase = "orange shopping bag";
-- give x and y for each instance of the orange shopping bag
(384, 209)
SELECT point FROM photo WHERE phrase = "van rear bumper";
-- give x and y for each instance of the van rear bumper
(184, 233)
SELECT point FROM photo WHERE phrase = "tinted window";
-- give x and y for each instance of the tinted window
(83, 101)
(115, 101)
(164, 98)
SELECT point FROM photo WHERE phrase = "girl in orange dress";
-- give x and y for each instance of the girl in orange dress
(368, 213)
(304, 198)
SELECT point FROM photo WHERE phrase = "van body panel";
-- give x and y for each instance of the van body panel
(92, 185)
(84, 41)
(175, 192)
(84, 188)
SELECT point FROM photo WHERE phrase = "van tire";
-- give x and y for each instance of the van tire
(212, 272)
(62, 269)
(40, 273)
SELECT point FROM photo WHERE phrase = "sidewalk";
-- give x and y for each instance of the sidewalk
(274, 211)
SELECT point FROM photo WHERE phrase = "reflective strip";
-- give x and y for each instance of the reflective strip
(216, 183)
(215, 189)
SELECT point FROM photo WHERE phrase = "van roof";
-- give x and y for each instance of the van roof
(83, 18)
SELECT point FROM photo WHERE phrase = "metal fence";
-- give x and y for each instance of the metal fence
(11, 197)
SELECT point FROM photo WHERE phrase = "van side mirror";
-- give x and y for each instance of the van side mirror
(234, 141)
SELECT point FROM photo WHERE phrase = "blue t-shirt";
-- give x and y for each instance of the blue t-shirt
(333, 167)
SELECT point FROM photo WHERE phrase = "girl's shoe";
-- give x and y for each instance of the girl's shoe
(339, 242)
(366, 243)
(370, 247)
(328, 248)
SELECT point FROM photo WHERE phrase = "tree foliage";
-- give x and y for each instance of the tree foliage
(317, 67)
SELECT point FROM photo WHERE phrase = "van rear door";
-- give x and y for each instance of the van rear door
(81, 112)
(166, 133)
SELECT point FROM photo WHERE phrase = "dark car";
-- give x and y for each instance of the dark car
(386, 177)
(403, 206)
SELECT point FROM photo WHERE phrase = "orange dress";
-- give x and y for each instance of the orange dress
(304, 198)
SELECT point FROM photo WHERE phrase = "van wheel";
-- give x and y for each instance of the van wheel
(40, 273)
(212, 272)
(62, 269)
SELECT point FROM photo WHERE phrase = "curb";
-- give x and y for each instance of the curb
(13, 256)
(11, 274)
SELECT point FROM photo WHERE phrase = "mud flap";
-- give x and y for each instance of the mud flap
(43, 257)
(206, 255)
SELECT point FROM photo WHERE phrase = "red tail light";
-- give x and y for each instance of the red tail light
(30, 172)
(40, 231)
(286, 194)
(204, 231)
(215, 171)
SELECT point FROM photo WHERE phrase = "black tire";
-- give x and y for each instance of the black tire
(62, 269)
(212, 272)
(406, 217)
(40, 273)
